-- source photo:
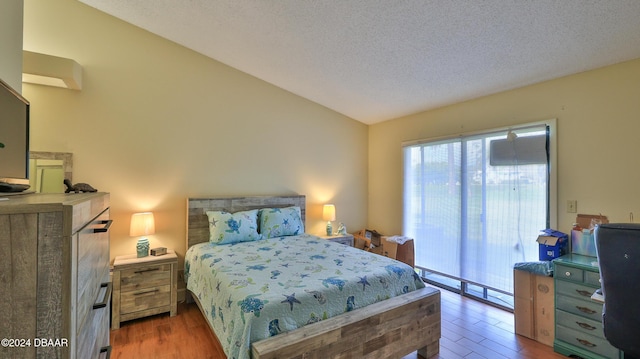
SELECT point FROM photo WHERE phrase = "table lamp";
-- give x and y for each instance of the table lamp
(329, 214)
(142, 224)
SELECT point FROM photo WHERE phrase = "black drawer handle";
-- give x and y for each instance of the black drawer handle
(147, 292)
(107, 224)
(147, 270)
(586, 310)
(107, 296)
(584, 293)
(586, 326)
(107, 350)
(586, 343)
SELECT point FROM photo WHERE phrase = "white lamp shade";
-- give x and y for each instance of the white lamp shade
(142, 224)
(329, 212)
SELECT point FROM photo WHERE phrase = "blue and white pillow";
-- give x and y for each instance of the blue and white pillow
(227, 228)
(278, 222)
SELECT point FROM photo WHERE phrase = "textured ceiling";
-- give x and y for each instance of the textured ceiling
(374, 60)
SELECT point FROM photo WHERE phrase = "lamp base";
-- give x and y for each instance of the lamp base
(329, 229)
(142, 247)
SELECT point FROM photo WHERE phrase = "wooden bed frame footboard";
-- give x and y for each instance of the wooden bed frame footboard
(389, 329)
(392, 328)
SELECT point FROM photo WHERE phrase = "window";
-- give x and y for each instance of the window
(475, 204)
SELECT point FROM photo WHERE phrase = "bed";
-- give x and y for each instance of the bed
(296, 295)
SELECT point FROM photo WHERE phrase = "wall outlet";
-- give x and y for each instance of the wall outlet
(572, 206)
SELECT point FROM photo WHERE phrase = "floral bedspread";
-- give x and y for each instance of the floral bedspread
(253, 290)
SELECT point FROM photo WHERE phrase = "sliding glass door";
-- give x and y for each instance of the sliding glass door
(475, 204)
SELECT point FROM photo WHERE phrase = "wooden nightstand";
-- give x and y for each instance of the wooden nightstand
(346, 239)
(144, 286)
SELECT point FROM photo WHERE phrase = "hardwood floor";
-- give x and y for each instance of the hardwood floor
(470, 330)
(185, 336)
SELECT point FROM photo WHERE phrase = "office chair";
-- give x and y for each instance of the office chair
(618, 251)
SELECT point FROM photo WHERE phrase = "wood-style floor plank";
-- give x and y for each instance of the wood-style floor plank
(470, 330)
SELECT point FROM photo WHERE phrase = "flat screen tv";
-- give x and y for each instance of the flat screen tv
(14, 140)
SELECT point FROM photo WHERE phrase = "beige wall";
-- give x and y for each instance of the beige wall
(598, 135)
(156, 123)
(11, 43)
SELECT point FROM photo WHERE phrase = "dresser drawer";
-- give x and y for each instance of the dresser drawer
(95, 333)
(583, 308)
(580, 323)
(586, 341)
(592, 278)
(92, 267)
(575, 290)
(142, 277)
(569, 273)
(145, 299)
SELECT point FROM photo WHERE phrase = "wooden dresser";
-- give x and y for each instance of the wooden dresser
(578, 330)
(54, 275)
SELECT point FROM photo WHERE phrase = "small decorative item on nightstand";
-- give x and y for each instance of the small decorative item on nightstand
(158, 251)
(142, 224)
(329, 214)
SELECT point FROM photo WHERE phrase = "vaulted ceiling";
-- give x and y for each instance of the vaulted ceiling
(374, 60)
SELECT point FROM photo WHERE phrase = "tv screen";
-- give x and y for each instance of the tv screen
(14, 140)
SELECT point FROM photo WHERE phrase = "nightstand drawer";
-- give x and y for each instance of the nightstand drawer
(145, 298)
(148, 276)
(346, 239)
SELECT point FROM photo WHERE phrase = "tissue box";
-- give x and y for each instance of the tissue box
(582, 241)
(551, 244)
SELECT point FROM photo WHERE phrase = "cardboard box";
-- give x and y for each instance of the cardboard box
(533, 306)
(552, 244)
(370, 236)
(584, 220)
(402, 252)
(582, 241)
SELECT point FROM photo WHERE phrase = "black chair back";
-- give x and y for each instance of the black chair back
(618, 251)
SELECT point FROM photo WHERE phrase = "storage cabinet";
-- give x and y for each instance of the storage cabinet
(578, 318)
(54, 276)
(144, 286)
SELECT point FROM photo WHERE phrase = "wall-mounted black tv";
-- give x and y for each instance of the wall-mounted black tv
(14, 140)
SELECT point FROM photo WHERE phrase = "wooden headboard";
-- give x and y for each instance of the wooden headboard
(198, 223)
